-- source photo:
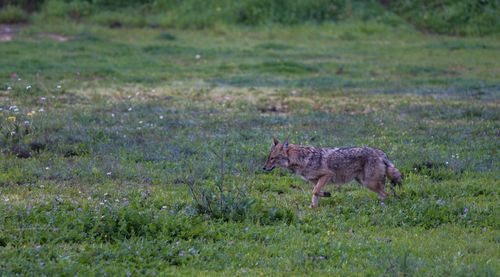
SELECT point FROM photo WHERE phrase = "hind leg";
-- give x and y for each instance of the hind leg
(374, 174)
(377, 186)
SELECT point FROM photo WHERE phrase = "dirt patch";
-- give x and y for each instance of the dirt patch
(5, 33)
(5, 37)
(55, 37)
(8, 33)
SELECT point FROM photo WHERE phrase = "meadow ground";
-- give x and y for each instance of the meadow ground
(129, 151)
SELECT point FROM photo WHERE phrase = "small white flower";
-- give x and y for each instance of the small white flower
(12, 107)
(163, 208)
(16, 110)
(58, 87)
(140, 122)
(112, 115)
(109, 173)
(161, 116)
(198, 56)
(47, 168)
(193, 251)
(41, 110)
(440, 202)
(130, 109)
(101, 203)
(446, 162)
(6, 199)
(9, 88)
(28, 87)
(43, 98)
(26, 122)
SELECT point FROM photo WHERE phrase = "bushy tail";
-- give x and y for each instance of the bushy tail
(393, 173)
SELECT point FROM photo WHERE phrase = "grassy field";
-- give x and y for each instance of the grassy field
(138, 151)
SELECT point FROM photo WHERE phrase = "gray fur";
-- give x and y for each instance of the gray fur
(368, 166)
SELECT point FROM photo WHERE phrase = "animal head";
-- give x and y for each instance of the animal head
(278, 157)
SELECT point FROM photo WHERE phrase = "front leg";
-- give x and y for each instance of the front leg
(317, 190)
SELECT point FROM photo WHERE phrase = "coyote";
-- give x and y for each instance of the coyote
(368, 166)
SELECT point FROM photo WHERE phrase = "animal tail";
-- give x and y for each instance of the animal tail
(393, 173)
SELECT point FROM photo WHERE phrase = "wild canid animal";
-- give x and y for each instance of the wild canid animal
(368, 166)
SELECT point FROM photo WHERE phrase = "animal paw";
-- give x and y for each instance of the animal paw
(327, 194)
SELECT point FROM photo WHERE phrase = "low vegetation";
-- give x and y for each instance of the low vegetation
(13, 14)
(464, 17)
(130, 151)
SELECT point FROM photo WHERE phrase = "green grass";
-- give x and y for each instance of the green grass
(13, 14)
(126, 118)
(450, 17)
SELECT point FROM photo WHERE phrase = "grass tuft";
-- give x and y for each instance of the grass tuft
(13, 14)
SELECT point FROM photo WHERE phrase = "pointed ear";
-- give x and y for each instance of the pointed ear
(275, 141)
(285, 144)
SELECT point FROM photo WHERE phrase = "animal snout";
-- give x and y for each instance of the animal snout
(267, 169)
